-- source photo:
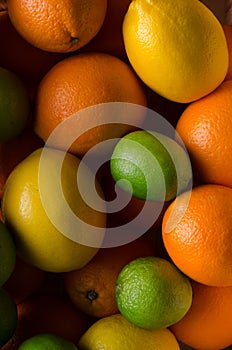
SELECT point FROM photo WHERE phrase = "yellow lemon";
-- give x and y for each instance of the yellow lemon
(53, 226)
(115, 332)
(177, 48)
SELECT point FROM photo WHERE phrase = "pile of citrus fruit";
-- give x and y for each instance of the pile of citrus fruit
(115, 175)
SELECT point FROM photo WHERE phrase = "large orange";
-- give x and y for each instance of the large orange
(110, 39)
(81, 81)
(48, 313)
(196, 232)
(18, 56)
(62, 26)
(207, 325)
(92, 288)
(205, 127)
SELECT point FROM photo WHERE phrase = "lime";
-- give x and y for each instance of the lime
(152, 293)
(116, 333)
(150, 165)
(8, 317)
(47, 341)
(7, 254)
(14, 105)
(179, 51)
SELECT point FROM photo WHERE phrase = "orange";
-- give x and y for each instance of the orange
(24, 281)
(110, 39)
(81, 81)
(48, 314)
(196, 232)
(228, 34)
(57, 27)
(207, 325)
(205, 127)
(92, 288)
(25, 60)
(14, 151)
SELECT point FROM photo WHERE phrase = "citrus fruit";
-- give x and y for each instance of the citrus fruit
(14, 106)
(92, 288)
(7, 254)
(40, 196)
(207, 324)
(48, 313)
(204, 124)
(47, 341)
(63, 28)
(115, 332)
(24, 281)
(152, 293)
(197, 237)
(154, 165)
(84, 80)
(8, 317)
(180, 52)
(30, 63)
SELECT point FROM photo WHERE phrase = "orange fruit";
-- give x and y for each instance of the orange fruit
(48, 314)
(62, 27)
(24, 281)
(207, 324)
(110, 39)
(196, 232)
(92, 288)
(81, 81)
(14, 151)
(228, 34)
(205, 127)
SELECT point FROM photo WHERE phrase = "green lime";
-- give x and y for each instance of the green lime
(14, 105)
(8, 317)
(47, 341)
(152, 293)
(150, 165)
(7, 254)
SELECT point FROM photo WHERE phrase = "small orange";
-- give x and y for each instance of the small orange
(207, 325)
(196, 232)
(228, 34)
(205, 127)
(110, 39)
(92, 288)
(57, 27)
(47, 313)
(81, 81)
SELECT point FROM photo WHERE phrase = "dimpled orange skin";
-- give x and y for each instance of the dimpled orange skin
(200, 243)
(207, 325)
(205, 127)
(57, 26)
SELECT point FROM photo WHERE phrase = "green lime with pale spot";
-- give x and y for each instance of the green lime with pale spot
(150, 165)
(47, 341)
(152, 293)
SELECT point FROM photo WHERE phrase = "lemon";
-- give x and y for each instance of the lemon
(150, 165)
(177, 48)
(47, 341)
(152, 293)
(14, 105)
(7, 254)
(115, 332)
(8, 317)
(46, 234)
